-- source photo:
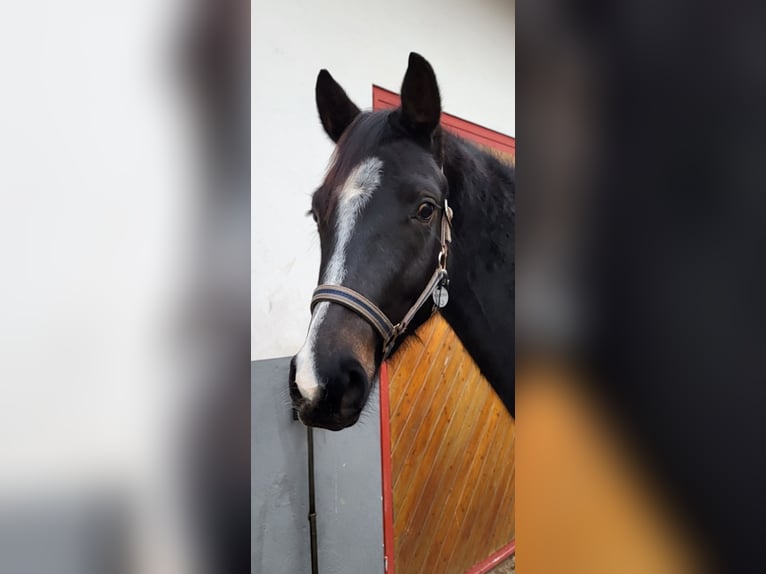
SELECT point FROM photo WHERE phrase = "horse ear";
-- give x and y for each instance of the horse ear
(421, 102)
(336, 110)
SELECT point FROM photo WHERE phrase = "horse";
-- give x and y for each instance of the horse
(411, 218)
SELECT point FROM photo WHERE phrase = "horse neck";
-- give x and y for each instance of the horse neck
(481, 261)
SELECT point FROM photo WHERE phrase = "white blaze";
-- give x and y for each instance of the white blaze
(352, 197)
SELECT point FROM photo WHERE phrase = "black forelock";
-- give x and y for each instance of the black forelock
(361, 139)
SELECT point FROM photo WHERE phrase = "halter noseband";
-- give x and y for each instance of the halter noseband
(366, 309)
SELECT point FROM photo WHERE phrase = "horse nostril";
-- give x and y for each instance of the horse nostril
(355, 392)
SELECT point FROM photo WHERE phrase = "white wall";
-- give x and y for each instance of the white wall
(470, 44)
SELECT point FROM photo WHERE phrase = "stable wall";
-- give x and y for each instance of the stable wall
(348, 486)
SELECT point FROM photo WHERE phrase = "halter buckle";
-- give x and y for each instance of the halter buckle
(389, 343)
(442, 259)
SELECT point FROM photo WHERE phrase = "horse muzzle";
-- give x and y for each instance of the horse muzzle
(342, 388)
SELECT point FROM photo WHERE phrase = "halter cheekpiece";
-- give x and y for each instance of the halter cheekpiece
(362, 306)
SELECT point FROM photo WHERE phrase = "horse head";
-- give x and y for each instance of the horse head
(383, 223)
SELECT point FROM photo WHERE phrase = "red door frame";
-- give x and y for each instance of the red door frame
(384, 99)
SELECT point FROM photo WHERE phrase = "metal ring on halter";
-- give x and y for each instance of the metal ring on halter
(442, 259)
(388, 344)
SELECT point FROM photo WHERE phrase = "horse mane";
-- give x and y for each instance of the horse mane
(479, 177)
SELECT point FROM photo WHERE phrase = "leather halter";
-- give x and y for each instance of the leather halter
(366, 309)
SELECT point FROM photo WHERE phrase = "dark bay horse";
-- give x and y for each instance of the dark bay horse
(410, 217)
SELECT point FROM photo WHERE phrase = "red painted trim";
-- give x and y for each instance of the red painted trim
(385, 460)
(383, 99)
(494, 559)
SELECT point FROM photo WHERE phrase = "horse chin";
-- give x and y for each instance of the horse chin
(332, 422)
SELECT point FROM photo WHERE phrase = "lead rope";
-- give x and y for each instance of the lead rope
(312, 503)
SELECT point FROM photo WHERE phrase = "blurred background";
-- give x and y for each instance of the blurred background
(124, 300)
(641, 219)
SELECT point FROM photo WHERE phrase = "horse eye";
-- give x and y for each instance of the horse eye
(313, 214)
(426, 211)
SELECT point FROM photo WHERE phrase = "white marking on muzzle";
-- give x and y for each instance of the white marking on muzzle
(352, 197)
